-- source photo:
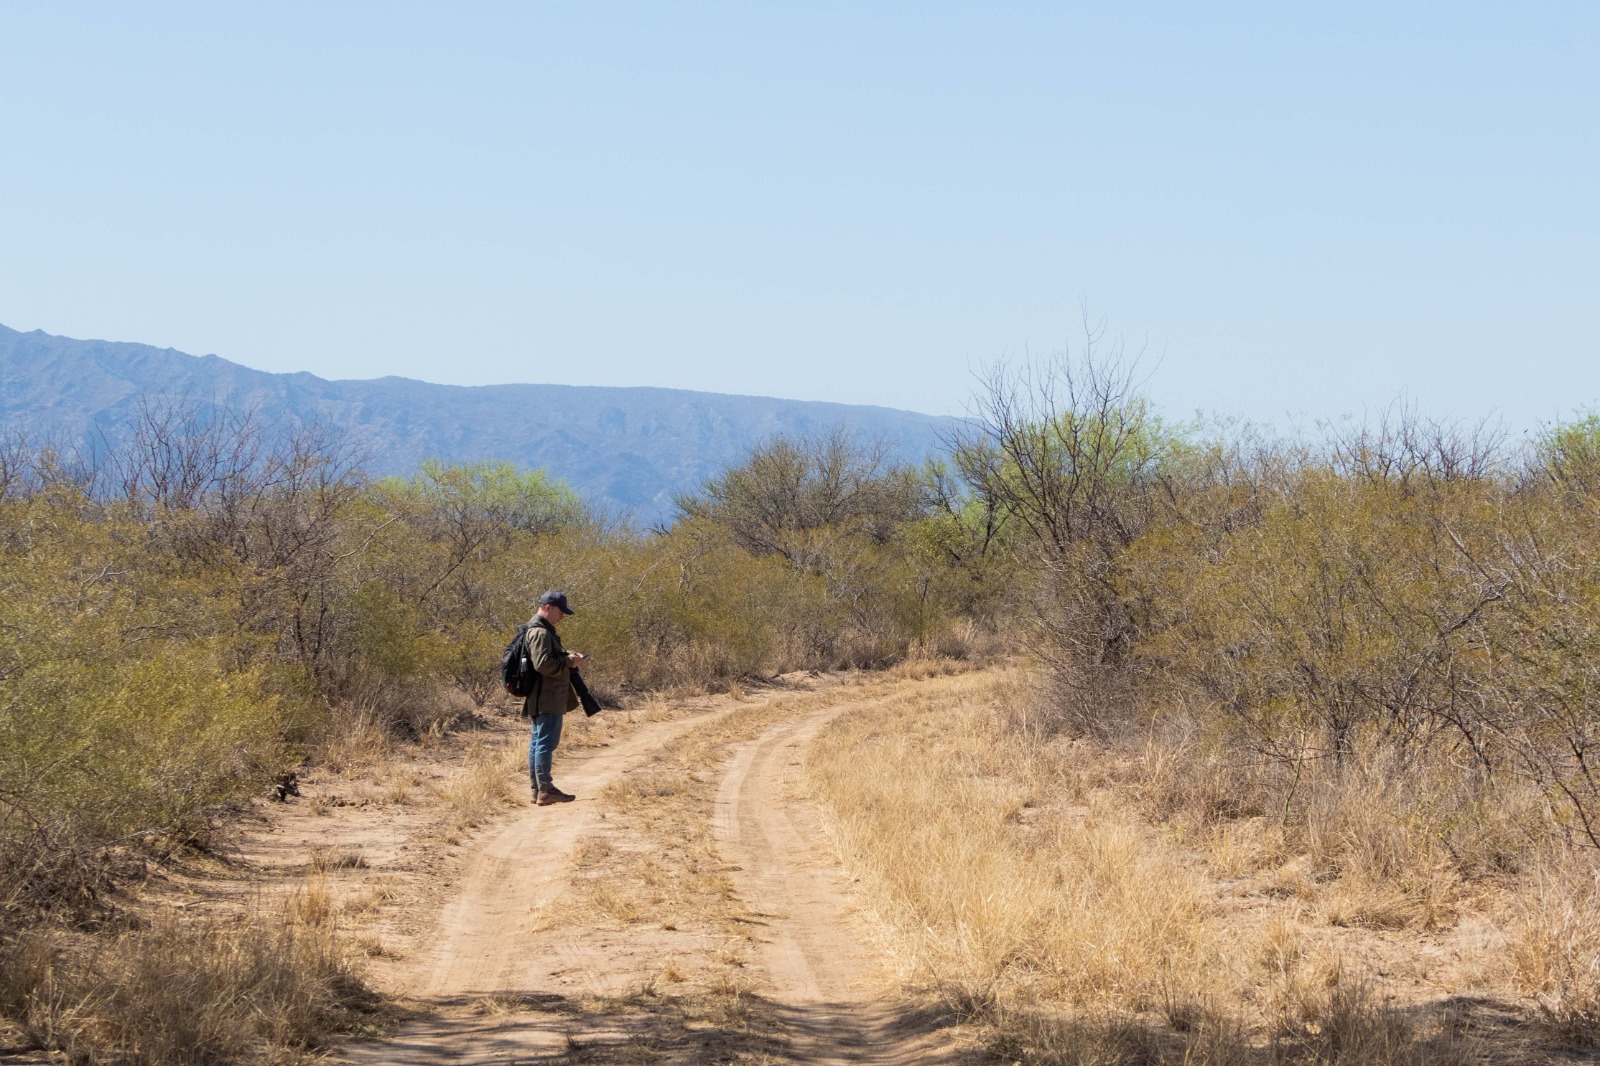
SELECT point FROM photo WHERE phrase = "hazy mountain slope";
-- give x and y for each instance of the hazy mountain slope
(630, 447)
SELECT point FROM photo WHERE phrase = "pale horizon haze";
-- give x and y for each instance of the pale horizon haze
(1293, 212)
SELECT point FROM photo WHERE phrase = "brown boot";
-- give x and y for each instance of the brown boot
(546, 796)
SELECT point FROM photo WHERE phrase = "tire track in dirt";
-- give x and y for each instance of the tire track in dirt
(487, 940)
(495, 986)
(518, 873)
(833, 997)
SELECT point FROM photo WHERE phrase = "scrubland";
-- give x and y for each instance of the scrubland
(1295, 761)
(1041, 889)
(1301, 769)
(190, 618)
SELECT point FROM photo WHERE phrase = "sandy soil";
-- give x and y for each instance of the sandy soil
(494, 945)
(815, 955)
(688, 908)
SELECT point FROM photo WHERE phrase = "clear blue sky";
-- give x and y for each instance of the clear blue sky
(1293, 208)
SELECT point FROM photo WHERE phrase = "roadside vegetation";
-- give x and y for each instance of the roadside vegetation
(191, 616)
(1298, 701)
(1349, 677)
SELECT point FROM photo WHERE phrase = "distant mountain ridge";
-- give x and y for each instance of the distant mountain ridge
(631, 448)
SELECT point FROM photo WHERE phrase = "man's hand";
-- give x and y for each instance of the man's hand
(575, 657)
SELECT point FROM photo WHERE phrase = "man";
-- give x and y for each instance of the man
(552, 695)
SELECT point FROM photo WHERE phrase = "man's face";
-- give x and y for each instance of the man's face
(552, 613)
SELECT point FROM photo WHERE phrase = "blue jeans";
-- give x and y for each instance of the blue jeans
(542, 746)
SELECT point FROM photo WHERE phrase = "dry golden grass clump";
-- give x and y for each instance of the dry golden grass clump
(187, 992)
(1071, 898)
(1004, 884)
(493, 773)
(1555, 948)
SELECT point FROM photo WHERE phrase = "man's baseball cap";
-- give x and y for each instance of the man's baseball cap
(554, 598)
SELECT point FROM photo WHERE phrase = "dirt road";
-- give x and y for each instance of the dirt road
(757, 953)
(816, 955)
(486, 938)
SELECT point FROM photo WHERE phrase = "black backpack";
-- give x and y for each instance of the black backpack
(515, 669)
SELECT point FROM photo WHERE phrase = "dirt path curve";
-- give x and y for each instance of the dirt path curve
(493, 984)
(518, 872)
(815, 950)
(479, 948)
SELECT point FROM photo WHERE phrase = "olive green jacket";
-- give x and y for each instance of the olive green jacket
(552, 689)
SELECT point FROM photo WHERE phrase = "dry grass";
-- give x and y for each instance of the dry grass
(334, 857)
(1023, 879)
(311, 904)
(1555, 949)
(999, 893)
(1376, 843)
(266, 987)
(353, 739)
(492, 775)
(398, 785)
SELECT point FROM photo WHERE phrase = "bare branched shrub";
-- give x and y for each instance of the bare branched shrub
(1406, 448)
(1567, 458)
(792, 493)
(31, 464)
(1068, 455)
(878, 555)
(1530, 701)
